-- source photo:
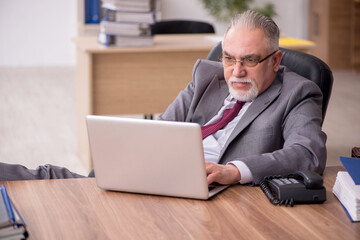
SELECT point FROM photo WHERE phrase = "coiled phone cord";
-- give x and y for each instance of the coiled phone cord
(266, 189)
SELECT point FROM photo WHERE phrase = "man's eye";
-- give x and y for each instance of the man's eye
(251, 60)
(229, 59)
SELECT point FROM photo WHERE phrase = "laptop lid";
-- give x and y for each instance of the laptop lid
(148, 156)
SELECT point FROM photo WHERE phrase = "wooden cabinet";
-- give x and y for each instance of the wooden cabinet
(334, 27)
(355, 38)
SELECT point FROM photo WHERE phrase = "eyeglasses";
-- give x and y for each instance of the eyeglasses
(247, 61)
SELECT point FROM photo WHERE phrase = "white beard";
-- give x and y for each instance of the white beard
(247, 96)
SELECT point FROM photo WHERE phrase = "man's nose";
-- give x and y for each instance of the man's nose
(239, 69)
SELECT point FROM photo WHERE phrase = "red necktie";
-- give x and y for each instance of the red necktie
(228, 115)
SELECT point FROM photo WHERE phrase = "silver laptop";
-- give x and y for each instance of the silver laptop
(149, 157)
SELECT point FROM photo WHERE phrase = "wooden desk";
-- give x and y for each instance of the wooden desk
(141, 80)
(77, 209)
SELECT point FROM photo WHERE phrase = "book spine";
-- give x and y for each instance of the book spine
(105, 39)
(128, 17)
(92, 11)
(128, 6)
(109, 15)
(119, 28)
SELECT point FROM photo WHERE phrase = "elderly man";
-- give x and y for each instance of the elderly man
(277, 130)
(258, 118)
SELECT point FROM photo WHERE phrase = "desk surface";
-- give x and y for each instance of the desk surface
(180, 42)
(162, 43)
(78, 209)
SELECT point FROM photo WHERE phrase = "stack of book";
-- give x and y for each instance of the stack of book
(11, 224)
(347, 187)
(127, 22)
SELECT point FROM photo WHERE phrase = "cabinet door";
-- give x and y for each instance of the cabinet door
(319, 28)
(340, 34)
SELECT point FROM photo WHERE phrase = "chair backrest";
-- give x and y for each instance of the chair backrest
(181, 27)
(303, 64)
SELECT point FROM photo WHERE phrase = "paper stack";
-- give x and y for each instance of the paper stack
(348, 194)
(127, 22)
(347, 187)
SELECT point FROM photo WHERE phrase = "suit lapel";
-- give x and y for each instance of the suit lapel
(255, 109)
(211, 104)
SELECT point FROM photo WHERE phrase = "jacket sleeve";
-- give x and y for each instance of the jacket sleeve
(304, 141)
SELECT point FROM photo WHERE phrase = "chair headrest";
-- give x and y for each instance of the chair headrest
(311, 68)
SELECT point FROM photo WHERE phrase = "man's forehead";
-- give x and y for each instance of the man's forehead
(241, 42)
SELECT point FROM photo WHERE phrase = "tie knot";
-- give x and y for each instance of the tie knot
(240, 103)
(228, 116)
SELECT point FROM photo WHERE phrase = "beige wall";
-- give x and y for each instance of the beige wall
(292, 16)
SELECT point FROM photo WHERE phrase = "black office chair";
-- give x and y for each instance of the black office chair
(303, 64)
(181, 27)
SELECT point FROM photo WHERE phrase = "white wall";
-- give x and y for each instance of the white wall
(39, 32)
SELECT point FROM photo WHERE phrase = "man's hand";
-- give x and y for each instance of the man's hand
(223, 174)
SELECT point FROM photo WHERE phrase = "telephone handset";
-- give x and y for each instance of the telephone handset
(301, 187)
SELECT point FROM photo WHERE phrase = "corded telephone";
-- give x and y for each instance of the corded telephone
(301, 187)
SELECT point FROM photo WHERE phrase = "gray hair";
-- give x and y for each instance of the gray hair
(254, 20)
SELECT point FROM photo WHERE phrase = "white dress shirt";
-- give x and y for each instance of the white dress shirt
(213, 144)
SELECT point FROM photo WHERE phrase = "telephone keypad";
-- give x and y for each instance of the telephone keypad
(284, 181)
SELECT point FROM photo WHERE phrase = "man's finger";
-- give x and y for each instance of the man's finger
(209, 167)
(210, 178)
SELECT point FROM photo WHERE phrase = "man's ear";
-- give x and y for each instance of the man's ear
(276, 60)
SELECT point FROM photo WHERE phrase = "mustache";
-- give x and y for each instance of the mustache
(240, 80)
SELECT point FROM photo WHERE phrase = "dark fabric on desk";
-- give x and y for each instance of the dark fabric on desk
(10, 172)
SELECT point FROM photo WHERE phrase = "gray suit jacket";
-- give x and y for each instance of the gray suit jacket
(280, 132)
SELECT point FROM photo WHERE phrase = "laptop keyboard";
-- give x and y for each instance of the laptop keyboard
(213, 185)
